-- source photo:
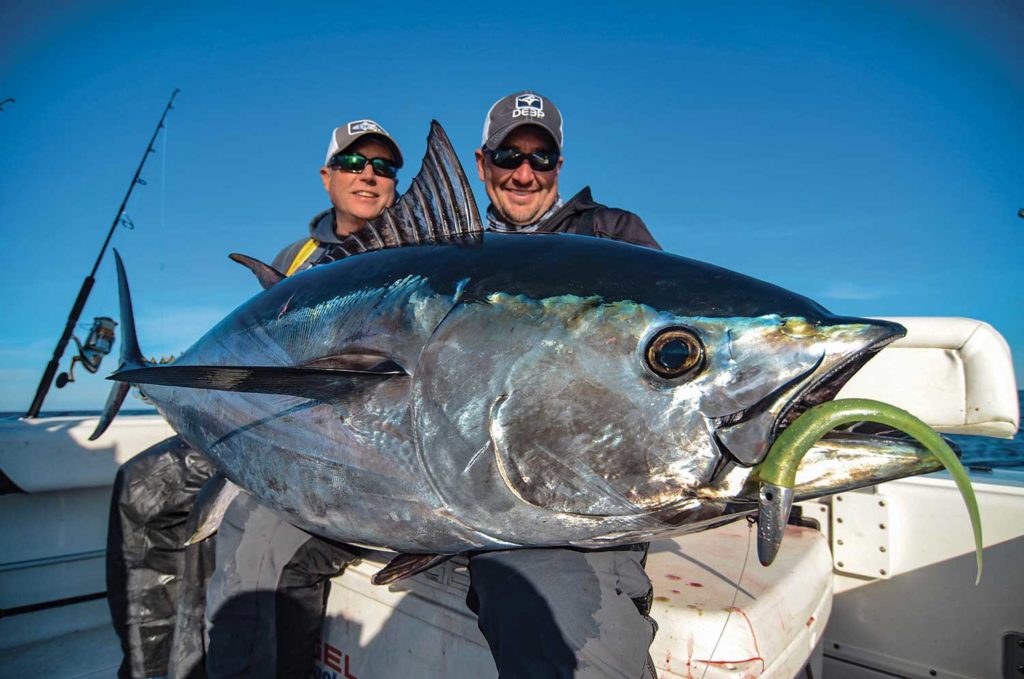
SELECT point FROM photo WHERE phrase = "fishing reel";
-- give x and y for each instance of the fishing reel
(98, 344)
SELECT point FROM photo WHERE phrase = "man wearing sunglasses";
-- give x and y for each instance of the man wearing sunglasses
(360, 175)
(265, 600)
(556, 612)
(265, 620)
(519, 160)
(267, 595)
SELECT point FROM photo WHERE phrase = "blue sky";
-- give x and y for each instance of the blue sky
(869, 155)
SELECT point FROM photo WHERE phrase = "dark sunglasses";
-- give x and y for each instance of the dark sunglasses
(355, 162)
(509, 159)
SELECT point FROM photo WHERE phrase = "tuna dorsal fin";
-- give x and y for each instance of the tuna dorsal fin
(407, 565)
(131, 355)
(438, 207)
(267, 275)
(313, 383)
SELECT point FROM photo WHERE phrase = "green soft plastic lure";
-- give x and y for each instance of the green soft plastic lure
(777, 473)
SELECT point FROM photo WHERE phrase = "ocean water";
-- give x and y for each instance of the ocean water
(979, 452)
(983, 452)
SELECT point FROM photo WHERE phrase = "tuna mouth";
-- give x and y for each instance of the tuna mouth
(827, 386)
(746, 435)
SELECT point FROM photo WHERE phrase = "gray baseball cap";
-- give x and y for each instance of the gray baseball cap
(349, 133)
(516, 110)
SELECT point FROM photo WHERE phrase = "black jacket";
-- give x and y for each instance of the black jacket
(581, 215)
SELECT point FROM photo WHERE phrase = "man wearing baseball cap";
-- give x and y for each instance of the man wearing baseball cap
(556, 612)
(359, 174)
(264, 605)
(265, 621)
(519, 160)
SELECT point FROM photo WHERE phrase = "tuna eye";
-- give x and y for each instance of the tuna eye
(674, 352)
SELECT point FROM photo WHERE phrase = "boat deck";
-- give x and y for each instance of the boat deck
(717, 609)
(92, 652)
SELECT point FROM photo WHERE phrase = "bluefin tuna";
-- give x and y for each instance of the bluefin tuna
(441, 391)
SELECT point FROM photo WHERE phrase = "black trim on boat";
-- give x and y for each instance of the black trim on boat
(7, 486)
(44, 605)
(52, 560)
(862, 665)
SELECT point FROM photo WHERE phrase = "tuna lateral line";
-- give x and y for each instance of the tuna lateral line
(777, 473)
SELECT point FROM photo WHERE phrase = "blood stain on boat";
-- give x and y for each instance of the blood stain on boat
(673, 577)
(694, 584)
(753, 635)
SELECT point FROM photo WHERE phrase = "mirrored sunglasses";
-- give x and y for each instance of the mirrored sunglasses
(355, 162)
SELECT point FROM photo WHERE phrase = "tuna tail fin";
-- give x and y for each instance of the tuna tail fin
(438, 208)
(131, 355)
(118, 392)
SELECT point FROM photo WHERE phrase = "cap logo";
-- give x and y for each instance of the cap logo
(357, 126)
(529, 106)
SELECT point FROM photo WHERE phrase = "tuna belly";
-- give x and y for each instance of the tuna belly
(353, 479)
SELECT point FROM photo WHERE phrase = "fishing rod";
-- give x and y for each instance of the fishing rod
(83, 294)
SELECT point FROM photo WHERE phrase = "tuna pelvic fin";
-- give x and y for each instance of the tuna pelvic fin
(211, 505)
(439, 206)
(131, 355)
(313, 383)
(267, 275)
(407, 565)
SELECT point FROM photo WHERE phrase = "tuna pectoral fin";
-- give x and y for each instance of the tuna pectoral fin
(407, 565)
(312, 383)
(267, 275)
